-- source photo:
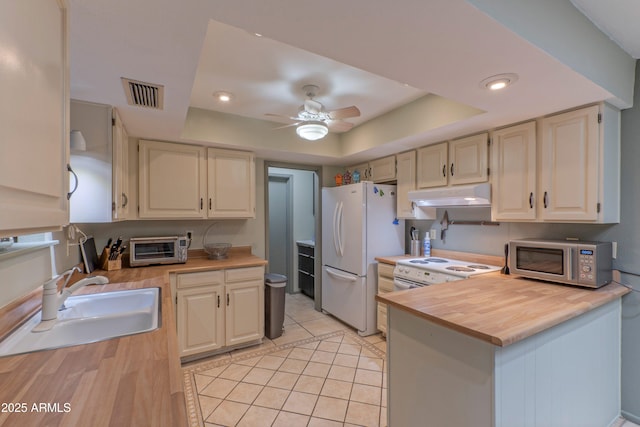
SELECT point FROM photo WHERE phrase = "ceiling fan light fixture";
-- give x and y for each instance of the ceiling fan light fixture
(312, 130)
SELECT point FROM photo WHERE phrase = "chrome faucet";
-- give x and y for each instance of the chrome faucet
(52, 300)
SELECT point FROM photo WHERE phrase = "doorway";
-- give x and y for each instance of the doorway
(292, 199)
(280, 226)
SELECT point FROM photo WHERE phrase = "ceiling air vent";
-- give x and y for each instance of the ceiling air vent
(143, 94)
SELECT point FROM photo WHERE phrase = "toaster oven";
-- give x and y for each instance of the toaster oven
(158, 250)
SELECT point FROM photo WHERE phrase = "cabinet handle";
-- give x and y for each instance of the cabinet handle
(545, 200)
(444, 171)
(531, 200)
(201, 203)
(125, 200)
(75, 187)
(209, 203)
(227, 300)
(218, 301)
(451, 169)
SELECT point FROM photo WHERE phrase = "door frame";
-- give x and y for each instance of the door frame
(288, 181)
(317, 209)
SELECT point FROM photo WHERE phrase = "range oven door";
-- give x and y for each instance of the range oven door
(400, 284)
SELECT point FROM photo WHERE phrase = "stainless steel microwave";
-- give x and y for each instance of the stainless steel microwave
(573, 262)
(158, 250)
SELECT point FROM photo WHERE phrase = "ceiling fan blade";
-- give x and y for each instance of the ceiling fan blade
(339, 126)
(281, 116)
(344, 113)
(312, 106)
(286, 126)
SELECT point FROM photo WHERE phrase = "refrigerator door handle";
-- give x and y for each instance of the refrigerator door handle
(340, 234)
(341, 276)
(335, 228)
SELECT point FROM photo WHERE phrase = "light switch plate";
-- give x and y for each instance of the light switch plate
(614, 250)
(432, 234)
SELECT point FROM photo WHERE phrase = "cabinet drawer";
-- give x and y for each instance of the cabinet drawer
(385, 284)
(382, 318)
(189, 280)
(385, 270)
(305, 264)
(244, 274)
(306, 250)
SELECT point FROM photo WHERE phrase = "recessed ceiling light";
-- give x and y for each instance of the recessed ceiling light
(499, 81)
(223, 96)
(257, 34)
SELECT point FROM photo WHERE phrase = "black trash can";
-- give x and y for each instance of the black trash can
(274, 287)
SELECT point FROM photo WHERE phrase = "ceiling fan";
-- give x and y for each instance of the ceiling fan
(313, 121)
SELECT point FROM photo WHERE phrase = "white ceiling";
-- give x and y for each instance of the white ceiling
(408, 48)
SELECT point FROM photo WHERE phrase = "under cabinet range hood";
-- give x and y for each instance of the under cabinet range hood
(457, 195)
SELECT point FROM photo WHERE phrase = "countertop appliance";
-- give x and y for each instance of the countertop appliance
(573, 262)
(416, 272)
(358, 224)
(158, 250)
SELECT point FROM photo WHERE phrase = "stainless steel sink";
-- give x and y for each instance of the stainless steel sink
(90, 318)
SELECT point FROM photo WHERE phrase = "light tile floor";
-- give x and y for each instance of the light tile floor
(335, 381)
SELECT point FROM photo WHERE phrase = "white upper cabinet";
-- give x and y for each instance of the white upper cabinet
(569, 166)
(102, 168)
(172, 180)
(188, 181)
(406, 181)
(469, 158)
(461, 161)
(433, 166)
(514, 173)
(34, 111)
(363, 169)
(230, 184)
(383, 170)
(567, 169)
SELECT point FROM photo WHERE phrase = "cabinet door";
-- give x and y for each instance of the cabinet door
(363, 169)
(514, 173)
(432, 166)
(172, 180)
(383, 170)
(468, 159)
(230, 184)
(34, 114)
(120, 169)
(200, 319)
(244, 311)
(569, 166)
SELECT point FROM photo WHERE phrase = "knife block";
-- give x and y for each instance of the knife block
(110, 264)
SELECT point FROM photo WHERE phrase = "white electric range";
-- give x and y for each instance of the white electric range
(415, 272)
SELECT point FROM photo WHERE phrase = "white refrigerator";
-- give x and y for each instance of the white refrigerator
(358, 224)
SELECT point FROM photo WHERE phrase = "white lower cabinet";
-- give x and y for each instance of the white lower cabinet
(385, 284)
(219, 309)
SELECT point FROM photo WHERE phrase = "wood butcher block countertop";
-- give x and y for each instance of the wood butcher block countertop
(129, 381)
(499, 309)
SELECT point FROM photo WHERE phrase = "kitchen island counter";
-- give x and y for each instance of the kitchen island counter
(500, 309)
(503, 351)
(129, 381)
